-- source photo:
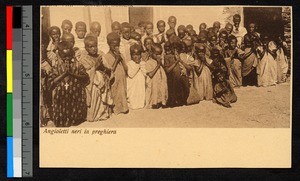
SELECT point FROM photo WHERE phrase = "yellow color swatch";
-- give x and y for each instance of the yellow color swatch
(9, 71)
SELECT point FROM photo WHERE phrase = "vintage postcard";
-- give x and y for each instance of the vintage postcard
(166, 86)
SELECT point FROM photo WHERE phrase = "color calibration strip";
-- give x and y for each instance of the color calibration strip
(9, 95)
(19, 91)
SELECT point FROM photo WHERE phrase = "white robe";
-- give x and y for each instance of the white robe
(125, 48)
(79, 43)
(136, 82)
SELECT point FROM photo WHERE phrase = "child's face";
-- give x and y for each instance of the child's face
(148, 44)
(216, 28)
(252, 28)
(236, 22)
(168, 50)
(96, 30)
(172, 22)
(149, 29)
(138, 38)
(161, 27)
(201, 53)
(215, 54)
(65, 54)
(233, 44)
(55, 35)
(142, 30)
(91, 47)
(265, 41)
(70, 40)
(202, 39)
(66, 28)
(136, 56)
(202, 27)
(229, 28)
(213, 40)
(189, 29)
(223, 37)
(116, 29)
(80, 31)
(157, 55)
(126, 33)
(181, 33)
(114, 45)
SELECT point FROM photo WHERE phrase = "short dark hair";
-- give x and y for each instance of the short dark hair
(90, 38)
(66, 21)
(135, 47)
(236, 16)
(231, 37)
(53, 28)
(80, 23)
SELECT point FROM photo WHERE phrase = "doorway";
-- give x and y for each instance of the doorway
(137, 14)
(268, 20)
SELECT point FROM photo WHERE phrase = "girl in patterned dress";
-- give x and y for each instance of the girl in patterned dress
(67, 81)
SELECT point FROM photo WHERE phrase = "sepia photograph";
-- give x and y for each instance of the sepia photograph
(118, 66)
(165, 86)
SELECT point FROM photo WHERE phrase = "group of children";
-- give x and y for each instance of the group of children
(88, 78)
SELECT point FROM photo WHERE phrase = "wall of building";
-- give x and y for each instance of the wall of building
(195, 15)
(104, 15)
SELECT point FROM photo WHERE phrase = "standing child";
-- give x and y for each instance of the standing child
(178, 83)
(66, 26)
(202, 75)
(116, 27)
(216, 27)
(233, 59)
(54, 33)
(126, 41)
(202, 27)
(148, 42)
(212, 43)
(172, 21)
(95, 29)
(141, 28)
(148, 31)
(182, 32)
(80, 30)
(223, 41)
(45, 96)
(250, 63)
(136, 79)
(135, 36)
(98, 93)
(114, 60)
(69, 37)
(156, 81)
(229, 28)
(67, 80)
(161, 36)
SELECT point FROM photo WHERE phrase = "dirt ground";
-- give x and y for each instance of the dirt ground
(257, 107)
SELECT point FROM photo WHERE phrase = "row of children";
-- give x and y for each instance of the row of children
(142, 70)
